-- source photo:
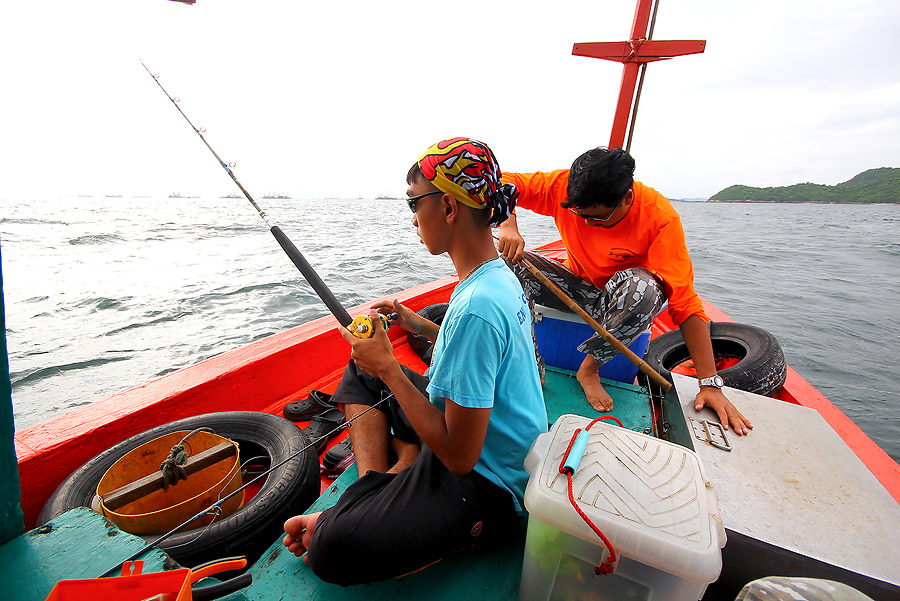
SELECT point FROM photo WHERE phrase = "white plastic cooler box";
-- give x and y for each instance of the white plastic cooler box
(649, 497)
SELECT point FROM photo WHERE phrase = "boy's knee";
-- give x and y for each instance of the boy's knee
(331, 557)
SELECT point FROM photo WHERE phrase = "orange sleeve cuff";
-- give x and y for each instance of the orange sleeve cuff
(679, 316)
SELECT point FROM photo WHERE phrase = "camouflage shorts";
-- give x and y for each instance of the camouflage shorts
(625, 307)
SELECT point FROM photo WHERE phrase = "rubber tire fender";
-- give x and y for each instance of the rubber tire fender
(420, 344)
(289, 490)
(761, 368)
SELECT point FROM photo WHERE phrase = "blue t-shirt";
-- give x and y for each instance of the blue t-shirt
(484, 358)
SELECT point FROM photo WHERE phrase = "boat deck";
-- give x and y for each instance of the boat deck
(781, 459)
(489, 574)
(264, 376)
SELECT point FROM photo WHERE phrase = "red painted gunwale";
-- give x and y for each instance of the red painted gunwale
(261, 376)
(268, 373)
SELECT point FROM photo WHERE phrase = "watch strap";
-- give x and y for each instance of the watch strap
(715, 381)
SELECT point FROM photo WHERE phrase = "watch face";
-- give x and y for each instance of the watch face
(716, 381)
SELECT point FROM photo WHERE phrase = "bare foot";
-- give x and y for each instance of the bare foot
(589, 379)
(406, 453)
(299, 530)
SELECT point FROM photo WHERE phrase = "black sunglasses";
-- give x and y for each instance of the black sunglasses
(597, 219)
(412, 200)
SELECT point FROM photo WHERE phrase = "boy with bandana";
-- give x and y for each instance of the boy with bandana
(476, 413)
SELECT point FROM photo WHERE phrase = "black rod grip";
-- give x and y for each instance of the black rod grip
(312, 277)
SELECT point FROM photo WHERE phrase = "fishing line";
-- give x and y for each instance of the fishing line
(363, 328)
(215, 507)
(217, 512)
(295, 255)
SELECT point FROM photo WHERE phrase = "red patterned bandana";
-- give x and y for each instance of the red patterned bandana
(468, 170)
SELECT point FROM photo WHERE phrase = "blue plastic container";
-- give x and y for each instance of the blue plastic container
(559, 333)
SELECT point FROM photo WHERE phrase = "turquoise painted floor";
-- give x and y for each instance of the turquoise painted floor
(78, 544)
(563, 394)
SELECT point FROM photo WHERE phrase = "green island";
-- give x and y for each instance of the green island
(880, 185)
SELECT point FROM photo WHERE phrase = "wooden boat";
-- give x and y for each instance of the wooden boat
(806, 494)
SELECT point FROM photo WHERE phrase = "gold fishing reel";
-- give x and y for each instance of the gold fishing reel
(362, 326)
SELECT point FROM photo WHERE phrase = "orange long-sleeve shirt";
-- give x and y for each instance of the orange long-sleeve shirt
(650, 236)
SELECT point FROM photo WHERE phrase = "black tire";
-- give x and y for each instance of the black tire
(288, 490)
(420, 344)
(761, 368)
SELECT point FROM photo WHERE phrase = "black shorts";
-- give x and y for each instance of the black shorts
(387, 525)
(357, 387)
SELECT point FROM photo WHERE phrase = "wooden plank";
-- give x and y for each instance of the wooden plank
(129, 493)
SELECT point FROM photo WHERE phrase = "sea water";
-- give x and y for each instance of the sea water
(103, 294)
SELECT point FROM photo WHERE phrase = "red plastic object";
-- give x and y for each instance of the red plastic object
(174, 585)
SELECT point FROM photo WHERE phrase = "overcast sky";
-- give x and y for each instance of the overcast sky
(337, 99)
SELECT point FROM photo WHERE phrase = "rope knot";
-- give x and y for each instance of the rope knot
(604, 568)
(171, 467)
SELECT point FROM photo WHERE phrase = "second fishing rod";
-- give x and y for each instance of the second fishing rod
(361, 326)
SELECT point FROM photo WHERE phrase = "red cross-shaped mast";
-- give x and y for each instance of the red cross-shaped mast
(635, 53)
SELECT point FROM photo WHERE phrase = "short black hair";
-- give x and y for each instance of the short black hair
(599, 177)
(414, 173)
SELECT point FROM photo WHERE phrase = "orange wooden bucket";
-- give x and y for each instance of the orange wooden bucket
(163, 510)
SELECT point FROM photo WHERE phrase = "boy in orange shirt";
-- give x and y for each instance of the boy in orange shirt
(626, 257)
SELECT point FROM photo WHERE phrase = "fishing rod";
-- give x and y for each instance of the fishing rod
(215, 507)
(361, 326)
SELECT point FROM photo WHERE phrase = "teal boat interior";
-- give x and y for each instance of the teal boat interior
(82, 544)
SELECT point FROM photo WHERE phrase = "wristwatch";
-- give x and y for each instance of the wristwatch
(714, 381)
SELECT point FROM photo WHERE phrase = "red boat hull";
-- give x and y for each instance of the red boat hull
(271, 372)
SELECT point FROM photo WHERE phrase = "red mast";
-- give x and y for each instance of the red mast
(636, 52)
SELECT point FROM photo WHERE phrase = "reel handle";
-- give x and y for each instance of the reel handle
(362, 326)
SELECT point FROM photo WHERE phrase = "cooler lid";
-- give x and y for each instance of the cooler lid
(648, 496)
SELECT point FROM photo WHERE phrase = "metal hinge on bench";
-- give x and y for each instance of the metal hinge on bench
(711, 432)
